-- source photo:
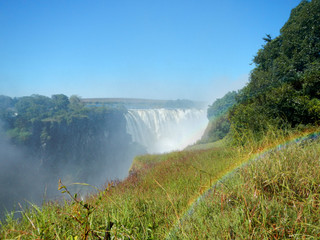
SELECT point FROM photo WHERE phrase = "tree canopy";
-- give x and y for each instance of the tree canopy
(23, 117)
(284, 86)
(221, 105)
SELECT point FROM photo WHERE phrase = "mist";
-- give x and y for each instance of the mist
(19, 179)
(90, 141)
(26, 176)
(164, 130)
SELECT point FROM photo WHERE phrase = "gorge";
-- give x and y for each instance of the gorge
(46, 139)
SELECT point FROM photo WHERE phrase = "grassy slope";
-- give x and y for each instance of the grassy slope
(275, 197)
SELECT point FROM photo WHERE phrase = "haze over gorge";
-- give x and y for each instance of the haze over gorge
(84, 140)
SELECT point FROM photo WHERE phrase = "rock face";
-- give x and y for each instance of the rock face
(90, 148)
(92, 143)
(46, 139)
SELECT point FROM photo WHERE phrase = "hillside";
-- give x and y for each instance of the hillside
(283, 90)
(261, 180)
(167, 196)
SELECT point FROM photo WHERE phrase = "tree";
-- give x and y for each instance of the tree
(221, 105)
(60, 101)
(5, 102)
(35, 106)
(283, 88)
(75, 103)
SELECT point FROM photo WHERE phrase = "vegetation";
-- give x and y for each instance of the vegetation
(283, 90)
(59, 137)
(130, 103)
(58, 126)
(221, 105)
(24, 117)
(275, 197)
(270, 194)
(217, 113)
(144, 206)
(278, 192)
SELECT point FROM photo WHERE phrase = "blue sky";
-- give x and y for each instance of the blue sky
(158, 49)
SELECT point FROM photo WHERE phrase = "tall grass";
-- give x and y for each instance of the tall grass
(275, 197)
(146, 205)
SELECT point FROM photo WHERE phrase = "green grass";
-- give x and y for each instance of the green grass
(204, 146)
(275, 197)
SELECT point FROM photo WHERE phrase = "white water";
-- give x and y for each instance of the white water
(164, 130)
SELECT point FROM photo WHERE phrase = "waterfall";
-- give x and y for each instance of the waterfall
(164, 130)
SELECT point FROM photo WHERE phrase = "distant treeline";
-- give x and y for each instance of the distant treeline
(29, 120)
(133, 103)
(284, 87)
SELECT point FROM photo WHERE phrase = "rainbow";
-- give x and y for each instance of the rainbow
(195, 202)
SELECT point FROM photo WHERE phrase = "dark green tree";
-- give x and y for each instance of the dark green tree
(221, 105)
(60, 102)
(75, 103)
(283, 89)
(217, 113)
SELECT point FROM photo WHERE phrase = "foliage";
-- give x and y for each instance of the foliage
(61, 102)
(135, 103)
(154, 201)
(85, 210)
(6, 102)
(217, 129)
(273, 197)
(144, 206)
(59, 137)
(217, 113)
(222, 105)
(31, 117)
(283, 90)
